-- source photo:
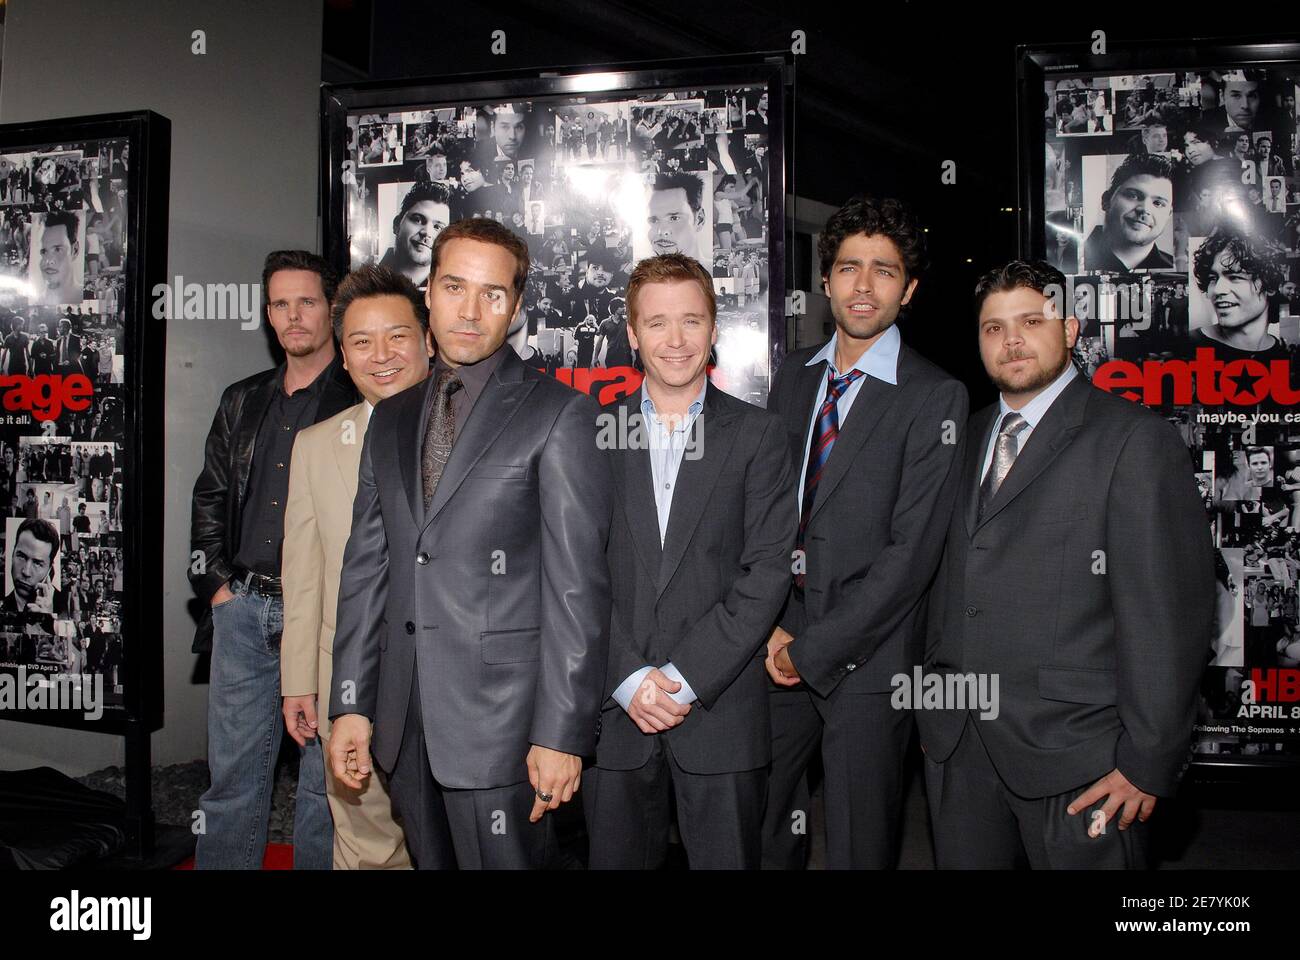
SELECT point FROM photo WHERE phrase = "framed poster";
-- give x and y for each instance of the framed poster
(1163, 183)
(595, 168)
(83, 237)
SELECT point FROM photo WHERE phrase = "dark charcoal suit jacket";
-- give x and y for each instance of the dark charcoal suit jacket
(709, 598)
(499, 595)
(1088, 588)
(877, 526)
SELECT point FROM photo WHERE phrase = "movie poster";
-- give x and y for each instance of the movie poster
(592, 184)
(63, 252)
(1171, 201)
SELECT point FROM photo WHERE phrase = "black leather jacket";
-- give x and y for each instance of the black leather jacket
(218, 504)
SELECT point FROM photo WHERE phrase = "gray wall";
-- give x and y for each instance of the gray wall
(243, 181)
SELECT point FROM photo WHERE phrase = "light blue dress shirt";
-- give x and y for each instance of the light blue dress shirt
(880, 360)
(666, 448)
(1032, 412)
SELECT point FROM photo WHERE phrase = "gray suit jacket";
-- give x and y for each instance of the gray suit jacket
(1088, 588)
(499, 596)
(876, 531)
(706, 600)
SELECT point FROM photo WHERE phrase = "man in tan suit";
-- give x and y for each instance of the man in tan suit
(382, 325)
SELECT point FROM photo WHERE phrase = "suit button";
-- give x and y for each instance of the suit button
(410, 627)
(421, 558)
(850, 666)
(972, 610)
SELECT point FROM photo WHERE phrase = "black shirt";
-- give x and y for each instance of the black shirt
(586, 338)
(262, 524)
(618, 351)
(1226, 353)
(473, 376)
(16, 344)
(1099, 258)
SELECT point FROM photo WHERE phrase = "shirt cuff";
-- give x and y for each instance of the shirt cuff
(685, 694)
(623, 692)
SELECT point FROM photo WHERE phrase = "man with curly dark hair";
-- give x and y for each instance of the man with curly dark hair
(1136, 208)
(875, 430)
(1239, 274)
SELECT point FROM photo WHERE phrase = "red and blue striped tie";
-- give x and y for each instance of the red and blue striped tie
(828, 429)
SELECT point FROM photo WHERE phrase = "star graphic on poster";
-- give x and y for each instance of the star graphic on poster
(1245, 382)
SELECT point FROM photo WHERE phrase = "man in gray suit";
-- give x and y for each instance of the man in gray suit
(699, 559)
(1079, 574)
(875, 430)
(473, 608)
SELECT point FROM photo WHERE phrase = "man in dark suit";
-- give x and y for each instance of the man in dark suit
(67, 349)
(1079, 575)
(699, 560)
(875, 430)
(473, 613)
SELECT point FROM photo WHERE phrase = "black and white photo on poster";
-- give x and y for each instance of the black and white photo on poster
(592, 184)
(56, 180)
(1175, 229)
(57, 259)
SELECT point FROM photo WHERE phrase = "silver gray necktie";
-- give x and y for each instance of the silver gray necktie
(1004, 455)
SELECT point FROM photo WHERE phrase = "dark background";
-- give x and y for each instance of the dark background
(884, 95)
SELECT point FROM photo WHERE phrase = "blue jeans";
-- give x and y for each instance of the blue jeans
(245, 727)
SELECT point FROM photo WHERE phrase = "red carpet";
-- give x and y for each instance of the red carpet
(279, 856)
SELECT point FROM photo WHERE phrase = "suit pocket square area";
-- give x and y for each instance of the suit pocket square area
(511, 646)
(499, 471)
(1077, 685)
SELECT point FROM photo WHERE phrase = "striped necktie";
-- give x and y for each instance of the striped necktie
(824, 436)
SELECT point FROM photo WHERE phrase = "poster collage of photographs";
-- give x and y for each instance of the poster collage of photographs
(63, 217)
(1172, 202)
(592, 184)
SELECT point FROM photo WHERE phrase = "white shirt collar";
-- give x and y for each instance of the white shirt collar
(648, 405)
(880, 360)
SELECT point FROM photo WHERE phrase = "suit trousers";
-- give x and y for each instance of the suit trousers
(979, 823)
(863, 742)
(471, 829)
(719, 815)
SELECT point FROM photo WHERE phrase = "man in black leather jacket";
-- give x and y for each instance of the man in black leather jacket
(237, 526)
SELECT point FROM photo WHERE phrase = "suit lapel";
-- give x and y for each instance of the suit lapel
(496, 406)
(635, 479)
(1052, 435)
(696, 479)
(410, 440)
(977, 443)
(801, 411)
